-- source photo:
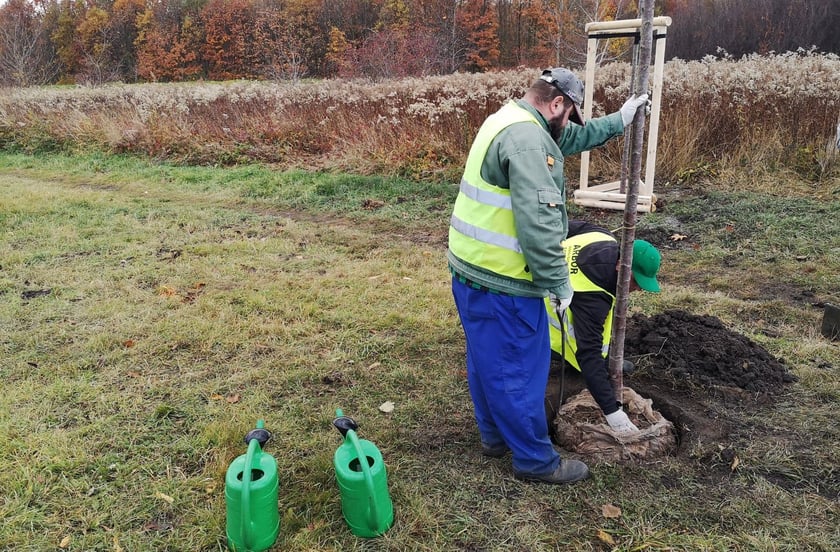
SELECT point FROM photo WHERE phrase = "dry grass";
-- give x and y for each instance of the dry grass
(714, 112)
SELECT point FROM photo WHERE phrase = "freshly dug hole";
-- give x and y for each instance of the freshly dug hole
(694, 367)
(580, 427)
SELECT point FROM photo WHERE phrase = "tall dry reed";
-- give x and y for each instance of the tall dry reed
(781, 108)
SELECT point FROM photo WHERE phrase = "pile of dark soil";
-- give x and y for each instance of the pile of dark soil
(699, 350)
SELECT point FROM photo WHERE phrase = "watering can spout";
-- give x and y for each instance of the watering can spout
(344, 423)
(261, 434)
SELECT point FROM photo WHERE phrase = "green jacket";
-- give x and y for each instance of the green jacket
(526, 161)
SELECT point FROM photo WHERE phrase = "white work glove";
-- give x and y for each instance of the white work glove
(620, 423)
(628, 110)
(560, 305)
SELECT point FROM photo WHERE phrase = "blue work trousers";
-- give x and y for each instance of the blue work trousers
(508, 359)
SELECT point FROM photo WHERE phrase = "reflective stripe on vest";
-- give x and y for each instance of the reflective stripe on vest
(580, 283)
(481, 230)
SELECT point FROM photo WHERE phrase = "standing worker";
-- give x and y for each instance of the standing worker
(592, 254)
(505, 257)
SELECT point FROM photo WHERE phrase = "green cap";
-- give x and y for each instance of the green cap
(646, 261)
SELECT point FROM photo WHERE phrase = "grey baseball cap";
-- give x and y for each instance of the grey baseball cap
(567, 82)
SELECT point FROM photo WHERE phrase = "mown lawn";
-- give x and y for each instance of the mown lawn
(150, 314)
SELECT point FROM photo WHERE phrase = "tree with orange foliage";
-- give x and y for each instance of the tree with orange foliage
(538, 35)
(477, 19)
(165, 50)
(229, 40)
(337, 53)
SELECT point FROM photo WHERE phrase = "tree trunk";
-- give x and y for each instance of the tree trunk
(632, 197)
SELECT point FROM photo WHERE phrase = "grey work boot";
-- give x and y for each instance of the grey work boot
(494, 452)
(568, 471)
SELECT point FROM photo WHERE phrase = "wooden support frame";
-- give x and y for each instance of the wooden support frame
(608, 195)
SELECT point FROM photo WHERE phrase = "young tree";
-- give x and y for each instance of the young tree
(123, 33)
(281, 41)
(27, 56)
(393, 53)
(572, 49)
(93, 36)
(338, 54)
(67, 15)
(439, 18)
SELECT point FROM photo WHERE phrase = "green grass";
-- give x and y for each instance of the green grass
(150, 314)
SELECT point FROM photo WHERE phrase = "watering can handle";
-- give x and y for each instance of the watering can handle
(245, 525)
(373, 517)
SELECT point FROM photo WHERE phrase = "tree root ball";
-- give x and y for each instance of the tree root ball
(580, 427)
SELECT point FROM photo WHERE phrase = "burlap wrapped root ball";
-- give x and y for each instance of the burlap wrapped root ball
(581, 427)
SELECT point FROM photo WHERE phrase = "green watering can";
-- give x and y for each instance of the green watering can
(253, 518)
(362, 481)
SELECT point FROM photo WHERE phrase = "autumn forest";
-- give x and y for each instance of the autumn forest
(99, 41)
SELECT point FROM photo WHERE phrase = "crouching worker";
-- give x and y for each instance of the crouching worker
(592, 254)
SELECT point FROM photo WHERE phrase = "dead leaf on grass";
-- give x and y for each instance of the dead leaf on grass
(735, 463)
(128, 343)
(372, 204)
(65, 542)
(194, 292)
(386, 407)
(611, 511)
(164, 497)
(216, 397)
(166, 291)
(157, 526)
(234, 398)
(605, 537)
(678, 237)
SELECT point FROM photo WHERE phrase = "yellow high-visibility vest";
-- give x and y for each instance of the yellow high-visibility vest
(580, 283)
(481, 229)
